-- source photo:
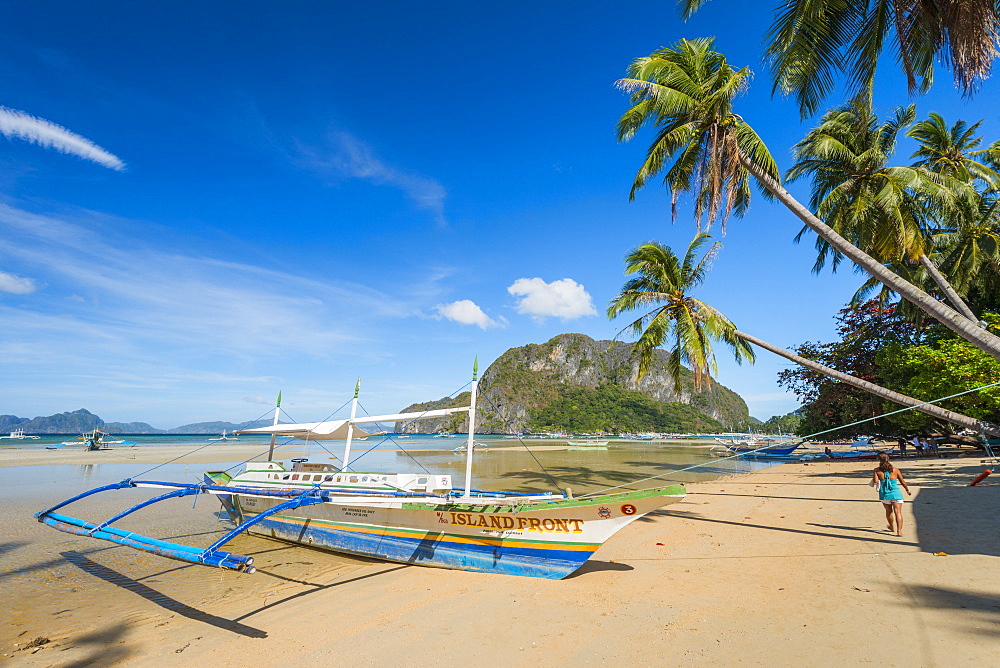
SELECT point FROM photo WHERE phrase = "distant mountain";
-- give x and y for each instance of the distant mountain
(575, 383)
(77, 422)
(216, 427)
(131, 428)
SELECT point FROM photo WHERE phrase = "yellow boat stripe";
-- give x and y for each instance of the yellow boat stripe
(446, 538)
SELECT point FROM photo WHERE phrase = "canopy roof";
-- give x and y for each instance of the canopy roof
(337, 429)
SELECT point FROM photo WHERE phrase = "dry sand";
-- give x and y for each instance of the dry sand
(786, 566)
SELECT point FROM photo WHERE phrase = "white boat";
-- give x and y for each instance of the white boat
(414, 518)
(94, 440)
(18, 434)
(225, 437)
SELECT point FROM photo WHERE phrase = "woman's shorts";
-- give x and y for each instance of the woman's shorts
(889, 502)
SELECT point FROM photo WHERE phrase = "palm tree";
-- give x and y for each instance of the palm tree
(662, 282)
(690, 324)
(882, 209)
(949, 151)
(968, 231)
(812, 42)
(687, 92)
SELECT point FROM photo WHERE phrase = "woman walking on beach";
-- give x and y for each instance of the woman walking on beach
(889, 478)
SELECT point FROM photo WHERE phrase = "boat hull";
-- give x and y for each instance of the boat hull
(545, 540)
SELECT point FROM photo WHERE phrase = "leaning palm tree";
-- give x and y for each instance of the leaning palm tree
(661, 282)
(812, 42)
(687, 93)
(883, 209)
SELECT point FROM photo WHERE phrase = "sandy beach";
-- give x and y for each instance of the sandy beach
(787, 566)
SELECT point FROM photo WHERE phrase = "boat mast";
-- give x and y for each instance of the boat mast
(277, 414)
(350, 426)
(472, 430)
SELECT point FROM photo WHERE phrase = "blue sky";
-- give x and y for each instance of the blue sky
(286, 196)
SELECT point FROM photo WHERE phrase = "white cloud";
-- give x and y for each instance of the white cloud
(564, 298)
(16, 284)
(19, 125)
(355, 159)
(468, 312)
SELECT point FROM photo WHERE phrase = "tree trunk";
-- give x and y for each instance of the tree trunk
(947, 316)
(934, 411)
(947, 289)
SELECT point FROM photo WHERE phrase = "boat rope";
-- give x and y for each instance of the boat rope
(507, 423)
(399, 446)
(800, 440)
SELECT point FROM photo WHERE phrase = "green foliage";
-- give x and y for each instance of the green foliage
(945, 367)
(782, 424)
(610, 408)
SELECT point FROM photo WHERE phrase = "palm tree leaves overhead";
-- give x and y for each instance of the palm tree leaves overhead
(662, 283)
(881, 209)
(814, 42)
(686, 93)
(949, 151)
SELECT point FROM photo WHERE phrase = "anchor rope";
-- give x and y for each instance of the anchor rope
(507, 423)
(800, 440)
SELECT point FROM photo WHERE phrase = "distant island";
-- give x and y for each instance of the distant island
(574, 383)
(79, 421)
(569, 383)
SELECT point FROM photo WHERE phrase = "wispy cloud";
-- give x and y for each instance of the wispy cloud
(20, 125)
(16, 284)
(165, 324)
(564, 298)
(349, 157)
(468, 312)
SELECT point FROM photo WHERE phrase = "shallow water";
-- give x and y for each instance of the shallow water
(54, 576)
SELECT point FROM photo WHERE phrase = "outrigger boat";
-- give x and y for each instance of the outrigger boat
(225, 437)
(19, 435)
(410, 518)
(94, 440)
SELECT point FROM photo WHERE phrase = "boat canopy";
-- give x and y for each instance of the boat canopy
(337, 429)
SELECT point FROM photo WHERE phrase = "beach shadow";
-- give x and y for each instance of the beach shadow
(593, 566)
(10, 547)
(108, 647)
(881, 532)
(958, 519)
(979, 607)
(316, 588)
(688, 515)
(160, 599)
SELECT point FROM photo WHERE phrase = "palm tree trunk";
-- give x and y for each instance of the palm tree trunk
(947, 289)
(879, 391)
(947, 316)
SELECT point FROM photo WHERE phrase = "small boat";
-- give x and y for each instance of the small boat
(225, 437)
(750, 445)
(588, 445)
(93, 440)
(475, 446)
(413, 518)
(18, 434)
(443, 435)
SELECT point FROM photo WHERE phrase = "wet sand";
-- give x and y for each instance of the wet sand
(784, 566)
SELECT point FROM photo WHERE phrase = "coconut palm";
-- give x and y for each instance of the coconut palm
(812, 42)
(687, 93)
(661, 282)
(883, 209)
(951, 151)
